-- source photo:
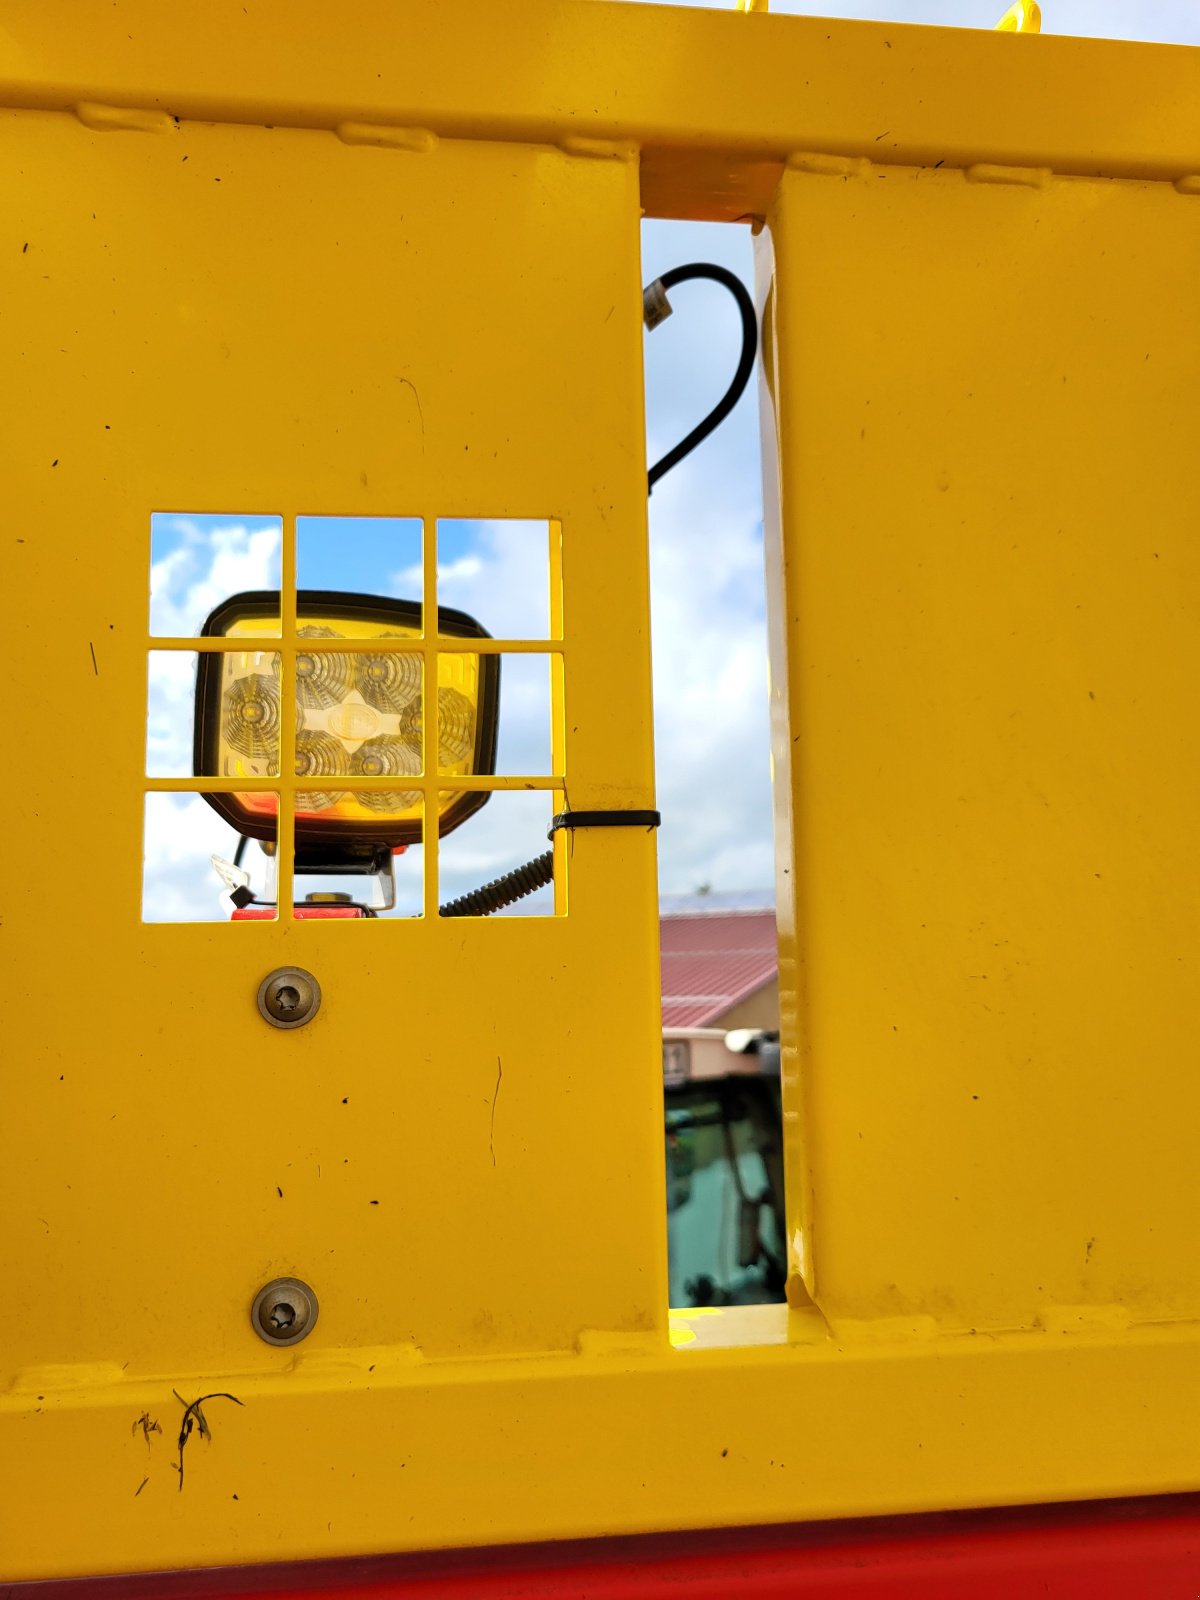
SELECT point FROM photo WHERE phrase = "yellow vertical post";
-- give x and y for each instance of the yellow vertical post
(979, 543)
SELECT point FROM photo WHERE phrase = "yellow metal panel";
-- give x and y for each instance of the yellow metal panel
(989, 583)
(977, 1283)
(239, 329)
(346, 1459)
(210, 319)
(715, 101)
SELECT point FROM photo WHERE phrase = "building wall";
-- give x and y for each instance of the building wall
(757, 1010)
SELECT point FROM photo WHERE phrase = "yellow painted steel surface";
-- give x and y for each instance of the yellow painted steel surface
(990, 596)
(982, 379)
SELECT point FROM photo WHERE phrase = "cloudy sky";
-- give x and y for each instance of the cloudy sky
(707, 582)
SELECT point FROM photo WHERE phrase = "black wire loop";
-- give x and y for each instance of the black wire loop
(686, 274)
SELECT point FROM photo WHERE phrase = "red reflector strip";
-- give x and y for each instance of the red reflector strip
(1128, 1550)
(302, 913)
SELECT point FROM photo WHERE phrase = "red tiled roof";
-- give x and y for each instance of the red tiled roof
(711, 961)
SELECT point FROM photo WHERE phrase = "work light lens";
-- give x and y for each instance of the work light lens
(250, 722)
(358, 713)
(322, 680)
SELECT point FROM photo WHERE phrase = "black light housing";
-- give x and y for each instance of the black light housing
(358, 712)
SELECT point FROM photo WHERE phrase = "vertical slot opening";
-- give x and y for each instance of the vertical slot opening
(726, 1227)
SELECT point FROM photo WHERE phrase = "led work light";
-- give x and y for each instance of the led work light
(358, 713)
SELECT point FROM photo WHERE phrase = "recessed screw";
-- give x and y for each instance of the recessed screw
(289, 997)
(284, 1311)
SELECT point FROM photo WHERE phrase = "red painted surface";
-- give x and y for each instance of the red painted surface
(1136, 1550)
(711, 960)
(302, 913)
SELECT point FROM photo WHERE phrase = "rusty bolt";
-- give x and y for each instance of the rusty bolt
(289, 997)
(284, 1311)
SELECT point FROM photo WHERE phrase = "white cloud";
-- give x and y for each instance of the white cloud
(502, 580)
(172, 688)
(179, 884)
(456, 578)
(195, 567)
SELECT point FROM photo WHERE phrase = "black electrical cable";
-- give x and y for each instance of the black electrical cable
(503, 891)
(657, 309)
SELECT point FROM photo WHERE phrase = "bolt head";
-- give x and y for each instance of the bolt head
(284, 1311)
(289, 997)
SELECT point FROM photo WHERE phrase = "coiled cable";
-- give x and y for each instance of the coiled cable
(503, 891)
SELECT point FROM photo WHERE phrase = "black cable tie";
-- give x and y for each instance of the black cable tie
(604, 819)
